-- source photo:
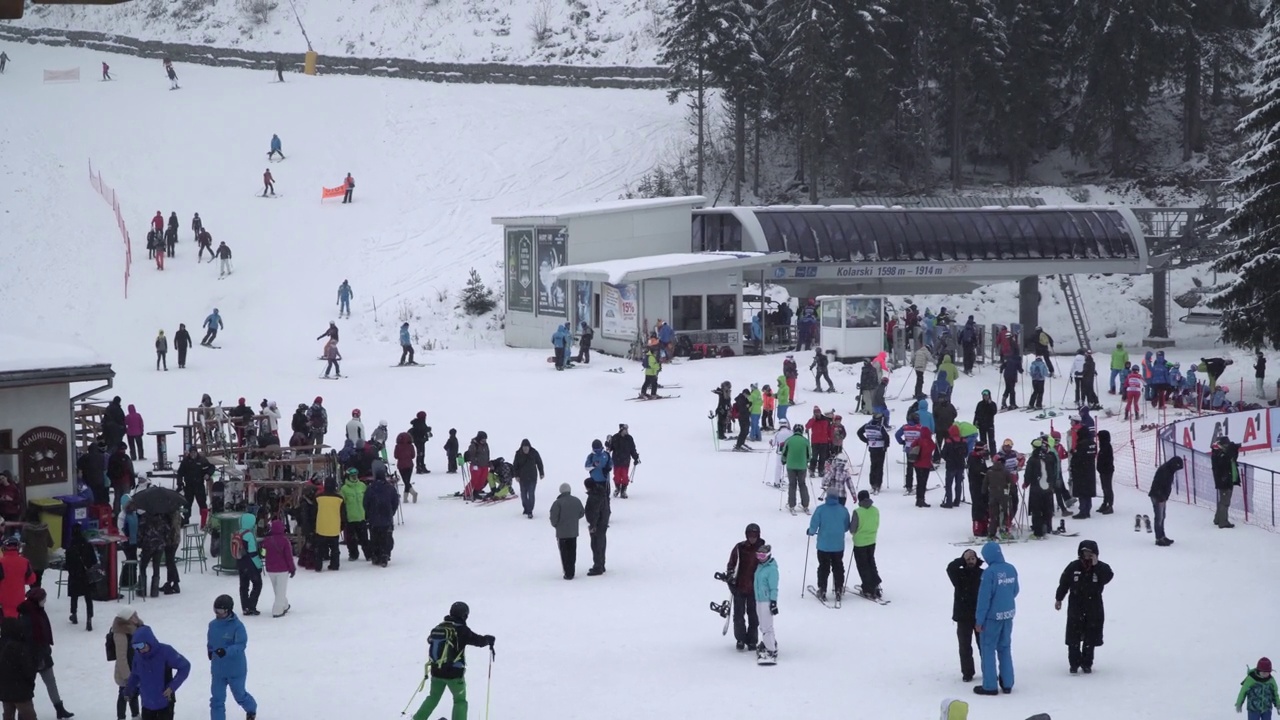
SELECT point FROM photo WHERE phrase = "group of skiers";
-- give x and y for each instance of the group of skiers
(162, 242)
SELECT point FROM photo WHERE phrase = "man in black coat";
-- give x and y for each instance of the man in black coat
(193, 472)
(113, 425)
(622, 450)
(742, 404)
(1088, 380)
(528, 469)
(1161, 489)
(722, 409)
(1084, 475)
(182, 343)
(597, 523)
(1226, 475)
(420, 433)
(984, 418)
(18, 669)
(1083, 579)
(965, 573)
(93, 472)
(741, 572)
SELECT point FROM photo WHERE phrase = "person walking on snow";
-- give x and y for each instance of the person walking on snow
(157, 223)
(1083, 580)
(993, 620)
(1260, 373)
(162, 351)
(223, 253)
(864, 526)
(1258, 690)
(213, 323)
(279, 78)
(406, 346)
(349, 184)
(345, 293)
(268, 183)
(766, 591)
(965, 573)
(227, 643)
(566, 513)
(829, 523)
(106, 71)
(622, 451)
(740, 575)
(249, 564)
(597, 513)
(280, 566)
(155, 674)
(275, 145)
(182, 343)
(528, 470)
(447, 661)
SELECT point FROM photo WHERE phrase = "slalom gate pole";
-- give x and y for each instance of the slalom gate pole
(488, 686)
(804, 578)
(415, 696)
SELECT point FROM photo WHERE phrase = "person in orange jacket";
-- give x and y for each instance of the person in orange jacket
(17, 576)
(348, 184)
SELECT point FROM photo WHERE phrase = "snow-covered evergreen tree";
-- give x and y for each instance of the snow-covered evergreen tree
(477, 298)
(1251, 303)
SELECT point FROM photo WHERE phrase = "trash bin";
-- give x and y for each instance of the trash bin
(51, 513)
(75, 511)
(227, 524)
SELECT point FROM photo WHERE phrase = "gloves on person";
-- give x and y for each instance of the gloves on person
(489, 640)
(773, 607)
(810, 533)
(220, 652)
(291, 573)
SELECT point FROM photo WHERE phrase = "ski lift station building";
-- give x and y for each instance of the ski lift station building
(622, 266)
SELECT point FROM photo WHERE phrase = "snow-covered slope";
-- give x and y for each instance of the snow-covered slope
(586, 32)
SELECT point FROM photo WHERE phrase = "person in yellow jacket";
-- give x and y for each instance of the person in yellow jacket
(651, 369)
(329, 522)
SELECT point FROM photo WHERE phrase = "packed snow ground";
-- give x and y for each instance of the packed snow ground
(432, 163)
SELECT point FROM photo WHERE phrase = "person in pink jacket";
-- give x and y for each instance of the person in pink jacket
(134, 429)
(279, 566)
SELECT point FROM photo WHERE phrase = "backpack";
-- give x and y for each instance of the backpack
(111, 646)
(441, 646)
(237, 546)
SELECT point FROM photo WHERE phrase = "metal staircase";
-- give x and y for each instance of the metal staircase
(1078, 320)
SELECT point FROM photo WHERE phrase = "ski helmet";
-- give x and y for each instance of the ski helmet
(224, 602)
(459, 611)
(752, 529)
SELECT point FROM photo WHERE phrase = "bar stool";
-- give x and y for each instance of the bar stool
(129, 569)
(192, 550)
(58, 564)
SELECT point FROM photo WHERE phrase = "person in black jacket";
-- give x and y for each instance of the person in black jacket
(527, 467)
(1106, 464)
(742, 404)
(93, 472)
(965, 573)
(741, 573)
(447, 661)
(984, 418)
(597, 515)
(1088, 379)
(113, 424)
(1226, 475)
(451, 449)
(876, 436)
(420, 432)
(622, 451)
(17, 670)
(182, 343)
(584, 345)
(1083, 579)
(724, 398)
(380, 503)
(954, 453)
(977, 472)
(81, 558)
(1161, 489)
(193, 472)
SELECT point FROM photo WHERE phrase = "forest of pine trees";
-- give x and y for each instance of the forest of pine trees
(866, 94)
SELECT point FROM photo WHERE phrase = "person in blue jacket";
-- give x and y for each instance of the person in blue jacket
(406, 346)
(599, 464)
(830, 522)
(766, 592)
(926, 417)
(560, 340)
(249, 565)
(1038, 372)
(156, 674)
(213, 323)
(226, 646)
(994, 621)
(275, 146)
(345, 294)
(1159, 378)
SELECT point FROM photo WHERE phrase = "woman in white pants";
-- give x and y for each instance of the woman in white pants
(766, 605)
(279, 565)
(779, 465)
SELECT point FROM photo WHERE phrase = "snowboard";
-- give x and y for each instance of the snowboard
(979, 542)
(271, 197)
(656, 397)
(1066, 534)
(723, 610)
(212, 347)
(857, 591)
(747, 449)
(614, 370)
(830, 602)
(766, 660)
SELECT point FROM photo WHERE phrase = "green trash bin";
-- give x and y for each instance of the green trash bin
(226, 525)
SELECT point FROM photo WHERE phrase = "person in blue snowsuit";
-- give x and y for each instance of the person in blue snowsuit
(344, 299)
(406, 346)
(275, 147)
(152, 662)
(926, 417)
(830, 522)
(599, 464)
(994, 621)
(560, 341)
(226, 645)
(213, 323)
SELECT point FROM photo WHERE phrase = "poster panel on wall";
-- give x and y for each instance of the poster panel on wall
(551, 242)
(619, 310)
(582, 304)
(520, 278)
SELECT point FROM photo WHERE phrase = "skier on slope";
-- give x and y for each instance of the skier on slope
(447, 661)
(332, 355)
(275, 146)
(829, 523)
(213, 324)
(864, 526)
(173, 76)
(205, 241)
(349, 184)
(819, 369)
(268, 183)
(1038, 372)
(223, 254)
(196, 226)
(741, 572)
(795, 455)
(106, 71)
(345, 293)
(406, 346)
(1083, 580)
(876, 435)
(780, 466)
(331, 332)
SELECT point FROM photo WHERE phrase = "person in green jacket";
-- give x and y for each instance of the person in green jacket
(757, 407)
(352, 492)
(1258, 689)
(784, 401)
(864, 524)
(1119, 366)
(795, 455)
(651, 369)
(949, 367)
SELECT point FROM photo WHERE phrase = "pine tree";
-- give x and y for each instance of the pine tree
(1250, 304)
(477, 298)
(861, 49)
(687, 50)
(1025, 110)
(970, 48)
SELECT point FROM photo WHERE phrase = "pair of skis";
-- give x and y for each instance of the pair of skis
(835, 603)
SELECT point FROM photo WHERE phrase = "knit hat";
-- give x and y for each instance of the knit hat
(126, 612)
(1264, 664)
(863, 495)
(564, 488)
(768, 550)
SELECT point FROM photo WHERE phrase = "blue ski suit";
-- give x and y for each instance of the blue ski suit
(996, 608)
(226, 645)
(344, 298)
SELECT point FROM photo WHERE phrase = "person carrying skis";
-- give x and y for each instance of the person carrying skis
(765, 586)
(622, 452)
(795, 455)
(275, 140)
(1083, 580)
(332, 357)
(965, 573)
(268, 183)
(993, 620)
(829, 523)
(406, 346)
(213, 323)
(864, 525)
(345, 293)
(876, 436)
(741, 578)
(155, 674)
(819, 369)
(223, 253)
(1161, 489)
(349, 184)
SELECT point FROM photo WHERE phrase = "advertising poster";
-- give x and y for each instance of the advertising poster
(551, 243)
(619, 311)
(520, 270)
(582, 307)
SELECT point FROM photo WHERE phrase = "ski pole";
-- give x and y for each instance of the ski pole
(903, 389)
(415, 695)
(805, 576)
(1065, 390)
(848, 567)
(488, 686)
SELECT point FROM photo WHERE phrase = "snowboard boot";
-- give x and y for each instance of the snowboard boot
(170, 589)
(1137, 523)
(1062, 528)
(623, 490)
(741, 646)
(1106, 509)
(63, 712)
(1164, 542)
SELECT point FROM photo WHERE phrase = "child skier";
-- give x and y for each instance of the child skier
(770, 402)
(451, 450)
(766, 587)
(1258, 689)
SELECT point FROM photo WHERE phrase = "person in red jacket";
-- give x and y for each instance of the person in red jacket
(268, 183)
(404, 455)
(819, 427)
(923, 465)
(350, 184)
(17, 576)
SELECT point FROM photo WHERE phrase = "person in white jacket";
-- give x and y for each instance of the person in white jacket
(1077, 374)
(355, 428)
(779, 465)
